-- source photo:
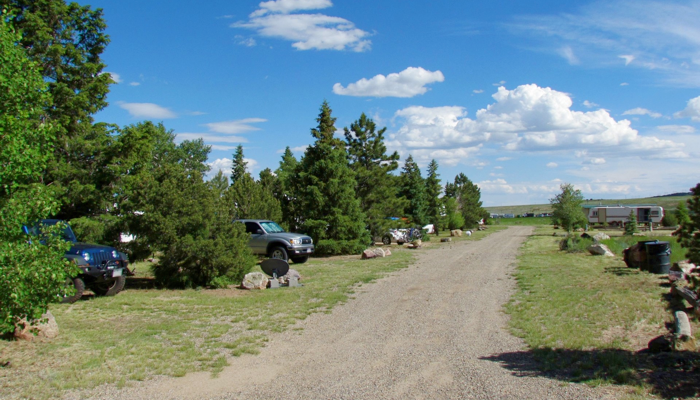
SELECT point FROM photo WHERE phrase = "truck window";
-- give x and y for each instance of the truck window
(251, 227)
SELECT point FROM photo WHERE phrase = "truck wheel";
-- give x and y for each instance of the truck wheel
(300, 260)
(79, 286)
(386, 240)
(109, 288)
(279, 253)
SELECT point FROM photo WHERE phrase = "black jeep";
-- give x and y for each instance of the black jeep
(104, 269)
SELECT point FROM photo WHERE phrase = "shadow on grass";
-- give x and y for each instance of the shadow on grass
(668, 375)
(140, 283)
(621, 271)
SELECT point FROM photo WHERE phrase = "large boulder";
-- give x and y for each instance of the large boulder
(387, 252)
(254, 280)
(599, 249)
(456, 232)
(379, 252)
(369, 253)
(45, 327)
(600, 236)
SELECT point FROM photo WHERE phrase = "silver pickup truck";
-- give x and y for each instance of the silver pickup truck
(268, 238)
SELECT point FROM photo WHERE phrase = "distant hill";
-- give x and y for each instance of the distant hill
(668, 202)
(674, 195)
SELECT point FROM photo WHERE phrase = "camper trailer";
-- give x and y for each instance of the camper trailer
(619, 215)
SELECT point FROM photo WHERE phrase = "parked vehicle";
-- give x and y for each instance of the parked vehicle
(268, 238)
(103, 268)
(401, 236)
(619, 215)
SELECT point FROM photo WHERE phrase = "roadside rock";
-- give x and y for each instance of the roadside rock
(456, 232)
(254, 280)
(600, 250)
(446, 240)
(369, 253)
(379, 252)
(46, 327)
(387, 252)
(600, 236)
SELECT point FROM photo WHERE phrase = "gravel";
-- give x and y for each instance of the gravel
(433, 331)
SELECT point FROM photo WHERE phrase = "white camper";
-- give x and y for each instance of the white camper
(619, 215)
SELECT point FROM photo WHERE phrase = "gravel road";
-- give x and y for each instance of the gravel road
(432, 331)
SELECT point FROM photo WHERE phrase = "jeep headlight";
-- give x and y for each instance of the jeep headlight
(115, 254)
(295, 242)
(86, 255)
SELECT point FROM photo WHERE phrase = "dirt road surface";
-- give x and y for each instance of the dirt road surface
(432, 331)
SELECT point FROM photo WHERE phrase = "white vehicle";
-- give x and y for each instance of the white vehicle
(619, 215)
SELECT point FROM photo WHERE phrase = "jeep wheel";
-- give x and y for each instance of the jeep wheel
(109, 288)
(300, 260)
(79, 286)
(386, 240)
(279, 253)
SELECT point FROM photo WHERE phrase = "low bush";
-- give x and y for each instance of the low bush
(575, 244)
(326, 248)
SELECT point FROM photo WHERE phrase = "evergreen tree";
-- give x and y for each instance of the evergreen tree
(375, 185)
(468, 196)
(283, 190)
(219, 183)
(567, 210)
(631, 225)
(413, 190)
(689, 231)
(433, 190)
(325, 188)
(247, 198)
(66, 41)
(239, 165)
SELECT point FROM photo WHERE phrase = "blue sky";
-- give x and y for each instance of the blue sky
(519, 96)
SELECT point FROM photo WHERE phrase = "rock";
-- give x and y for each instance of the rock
(46, 327)
(600, 236)
(453, 233)
(387, 252)
(254, 280)
(379, 252)
(684, 343)
(660, 344)
(682, 324)
(446, 240)
(369, 253)
(600, 250)
(292, 273)
(417, 243)
(468, 233)
(683, 266)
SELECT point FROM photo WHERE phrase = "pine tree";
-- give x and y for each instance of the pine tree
(631, 225)
(689, 231)
(433, 190)
(413, 190)
(239, 165)
(283, 190)
(468, 197)
(376, 188)
(325, 188)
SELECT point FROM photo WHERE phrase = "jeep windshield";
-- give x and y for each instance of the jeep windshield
(271, 227)
(66, 233)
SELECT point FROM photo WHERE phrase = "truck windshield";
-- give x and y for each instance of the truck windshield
(271, 227)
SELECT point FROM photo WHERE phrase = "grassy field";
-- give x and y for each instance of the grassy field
(143, 332)
(668, 203)
(586, 318)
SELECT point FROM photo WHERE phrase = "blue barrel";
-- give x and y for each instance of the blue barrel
(658, 257)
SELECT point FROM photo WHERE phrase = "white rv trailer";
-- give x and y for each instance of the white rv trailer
(619, 215)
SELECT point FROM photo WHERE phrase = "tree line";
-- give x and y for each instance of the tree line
(57, 162)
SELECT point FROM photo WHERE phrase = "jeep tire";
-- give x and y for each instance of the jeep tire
(279, 253)
(79, 286)
(109, 288)
(386, 240)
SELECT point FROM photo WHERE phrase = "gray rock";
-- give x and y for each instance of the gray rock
(379, 252)
(46, 327)
(600, 236)
(600, 250)
(254, 280)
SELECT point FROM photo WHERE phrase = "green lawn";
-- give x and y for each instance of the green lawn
(587, 317)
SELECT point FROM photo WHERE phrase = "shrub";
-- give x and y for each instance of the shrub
(669, 220)
(326, 248)
(575, 244)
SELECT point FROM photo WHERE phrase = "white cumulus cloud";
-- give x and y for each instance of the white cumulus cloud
(235, 127)
(407, 83)
(692, 110)
(528, 118)
(147, 110)
(678, 129)
(642, 111)
(306, 31)
(589, 104)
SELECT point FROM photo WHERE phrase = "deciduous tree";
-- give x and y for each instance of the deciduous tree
(567, 209)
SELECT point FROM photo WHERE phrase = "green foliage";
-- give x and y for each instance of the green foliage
(433, 189)
(325, 187)
(413, 190)
(247, 198)
(32, 274)
(468, 196)
(453, 219)
(567, 210)
(669, 220)
(575, 244)
(376, 186)
(283, 188)
(689, 232)
(631, 225)
(326, 248)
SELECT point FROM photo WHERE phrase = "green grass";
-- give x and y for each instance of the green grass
(586, 317)
(143, 332)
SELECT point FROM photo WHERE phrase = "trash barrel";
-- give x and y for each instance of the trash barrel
(658, 257)
(636, 256)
